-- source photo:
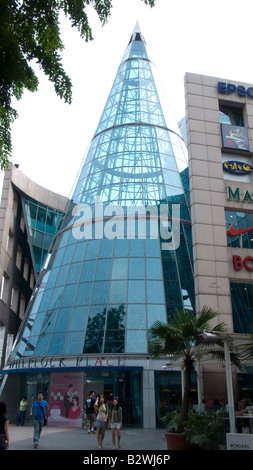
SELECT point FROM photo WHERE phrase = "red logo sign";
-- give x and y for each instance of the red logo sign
(247, 263)
(231, 232)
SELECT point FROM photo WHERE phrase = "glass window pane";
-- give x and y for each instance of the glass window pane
(68, 296)
(96, 317)
(79, 318)
(68, 254)
(136, 268)
(106, 248)
(92, 249)
(136, 292)
(83, 294)
(62, 276)
(103, 269)
(153, 268)
(74, 344)
(136, 316)
(137, 247)
(156, 312)
(88, 271)
(118, 291)
(100, 292)
(74, 272)
(79, 252)
(114, 341)
(57, 343)
(53, 276)
(121, 247)
(155, 293)
(93, 342)
(136, 341)
(116, 316)
(119, 268)
(42, 345)
(62, 320)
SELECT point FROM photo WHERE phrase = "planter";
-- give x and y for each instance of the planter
(176, 441)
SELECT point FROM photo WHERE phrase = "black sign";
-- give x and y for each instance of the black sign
(235, 137)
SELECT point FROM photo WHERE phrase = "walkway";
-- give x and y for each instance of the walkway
(21, 438)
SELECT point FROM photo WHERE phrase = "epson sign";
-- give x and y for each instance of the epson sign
(228, 88)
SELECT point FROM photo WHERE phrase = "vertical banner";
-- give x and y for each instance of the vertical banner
(66, 399)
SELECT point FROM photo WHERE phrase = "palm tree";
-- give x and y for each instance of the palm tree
(183, 337)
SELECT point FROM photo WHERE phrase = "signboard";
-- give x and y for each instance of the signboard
(235, 137)
(234, 195)
(61, 362)
(228, 88)
(239, 441)
(237, 168)
(66, 399)
(239, 263)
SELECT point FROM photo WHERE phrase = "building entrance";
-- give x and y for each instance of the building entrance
(126, 385)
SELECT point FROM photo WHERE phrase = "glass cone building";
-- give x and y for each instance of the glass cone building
(121, 259)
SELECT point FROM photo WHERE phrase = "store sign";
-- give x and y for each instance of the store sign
(237, 168)
(61, 362)
(235, 137)
(237, 441)
(234, 195)
(228, 88)
(240, 263)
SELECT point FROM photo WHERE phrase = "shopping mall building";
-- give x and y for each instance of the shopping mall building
(148, 229)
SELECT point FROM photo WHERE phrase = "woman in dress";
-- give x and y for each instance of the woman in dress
(115, 421)
(101, 421)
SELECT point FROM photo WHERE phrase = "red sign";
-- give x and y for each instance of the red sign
(239, 263)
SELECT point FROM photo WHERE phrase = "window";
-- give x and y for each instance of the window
(242, 306)
(239, 226)
(231, 115)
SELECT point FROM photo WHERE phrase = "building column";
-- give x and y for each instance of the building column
(148, 393)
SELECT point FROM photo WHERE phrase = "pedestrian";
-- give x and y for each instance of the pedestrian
(90, 411)
(39, 412)
(115, 420)
(23, 405)
(101, 420)
(4, 427)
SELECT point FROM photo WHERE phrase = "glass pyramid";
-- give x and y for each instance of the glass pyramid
(109, 276)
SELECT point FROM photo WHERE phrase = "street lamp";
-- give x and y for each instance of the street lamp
(231, 411)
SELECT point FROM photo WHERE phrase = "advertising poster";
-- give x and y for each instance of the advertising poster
(235, 137)
(66, 399)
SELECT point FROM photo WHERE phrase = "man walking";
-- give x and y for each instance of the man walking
(39, 412)
(90, 411)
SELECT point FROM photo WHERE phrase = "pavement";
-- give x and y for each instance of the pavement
(62, 438)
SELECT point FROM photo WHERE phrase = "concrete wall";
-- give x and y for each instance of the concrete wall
(213, 266)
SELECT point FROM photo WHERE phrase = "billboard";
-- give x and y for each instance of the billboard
(66, 399)
(235, 137)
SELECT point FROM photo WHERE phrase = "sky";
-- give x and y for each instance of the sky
(50, 137)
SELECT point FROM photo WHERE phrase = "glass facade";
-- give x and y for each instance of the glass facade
(242, 306)
(42, 222)
(240, 221)
(121, 259)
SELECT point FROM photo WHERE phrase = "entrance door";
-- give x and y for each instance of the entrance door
(126, 385)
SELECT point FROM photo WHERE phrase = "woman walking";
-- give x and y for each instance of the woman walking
(101, 409)
(115, 421)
